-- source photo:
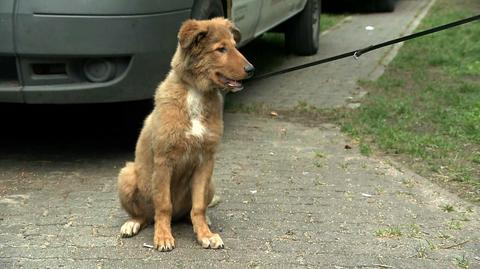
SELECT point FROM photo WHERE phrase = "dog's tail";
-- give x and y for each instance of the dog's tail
(127, 173)
(127, 185)
(215, 201)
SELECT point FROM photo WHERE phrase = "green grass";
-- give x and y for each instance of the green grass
(425, 109)
(455, 225)
(462, 262)
(328, 21)
(415, 231)
(365, 149)
(447, 208)
(389, 232)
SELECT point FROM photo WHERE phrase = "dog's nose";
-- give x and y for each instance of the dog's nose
(250, 70)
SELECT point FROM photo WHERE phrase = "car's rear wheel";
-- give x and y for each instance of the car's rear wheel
(302, 31)
(207, 9)
(387, 5)
(381, 5)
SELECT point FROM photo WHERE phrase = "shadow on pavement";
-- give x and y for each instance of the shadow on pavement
(69, 131)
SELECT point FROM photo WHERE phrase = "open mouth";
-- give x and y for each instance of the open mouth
(233, 85)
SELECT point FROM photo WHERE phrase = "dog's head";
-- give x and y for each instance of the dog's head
(207, 55)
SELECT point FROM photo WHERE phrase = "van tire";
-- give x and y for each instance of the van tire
(207, 9)
(302, 31)
(381, 5)
(387, 5)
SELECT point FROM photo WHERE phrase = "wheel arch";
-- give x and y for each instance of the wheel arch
(199, 8)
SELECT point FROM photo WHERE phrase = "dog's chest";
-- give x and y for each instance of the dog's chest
(203, 112)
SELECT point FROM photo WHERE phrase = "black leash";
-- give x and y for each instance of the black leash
(360, 52)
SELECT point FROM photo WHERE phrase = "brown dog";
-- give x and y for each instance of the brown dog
(174, 156)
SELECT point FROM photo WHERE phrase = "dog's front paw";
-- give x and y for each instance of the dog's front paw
(130, 228)
(163, 241)
(213, 241)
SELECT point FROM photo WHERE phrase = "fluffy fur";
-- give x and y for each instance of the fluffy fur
(174, 157)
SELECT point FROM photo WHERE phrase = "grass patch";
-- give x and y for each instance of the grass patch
(305, 107)
(389, 232)
(319, 155)
(424, 249)
(425, 109)
(365, 149)
(415, 231)
(328, 21)
(447, 208)
(462, 262)
(455, 225)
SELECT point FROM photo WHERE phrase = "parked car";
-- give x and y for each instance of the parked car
(360, 5)
(90, 51)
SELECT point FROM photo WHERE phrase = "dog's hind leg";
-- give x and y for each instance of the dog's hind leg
(128, 193)
(213, 200)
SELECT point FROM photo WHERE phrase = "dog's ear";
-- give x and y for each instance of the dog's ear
(236, 33)
(191, 32)
(229, 24)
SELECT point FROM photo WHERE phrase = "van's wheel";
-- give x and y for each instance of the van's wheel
(303, 30)
(207, 9)
(381, 5)
(386, 5)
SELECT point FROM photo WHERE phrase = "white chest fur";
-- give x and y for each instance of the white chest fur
(195, 108)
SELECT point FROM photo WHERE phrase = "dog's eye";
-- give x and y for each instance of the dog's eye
(222, 49)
